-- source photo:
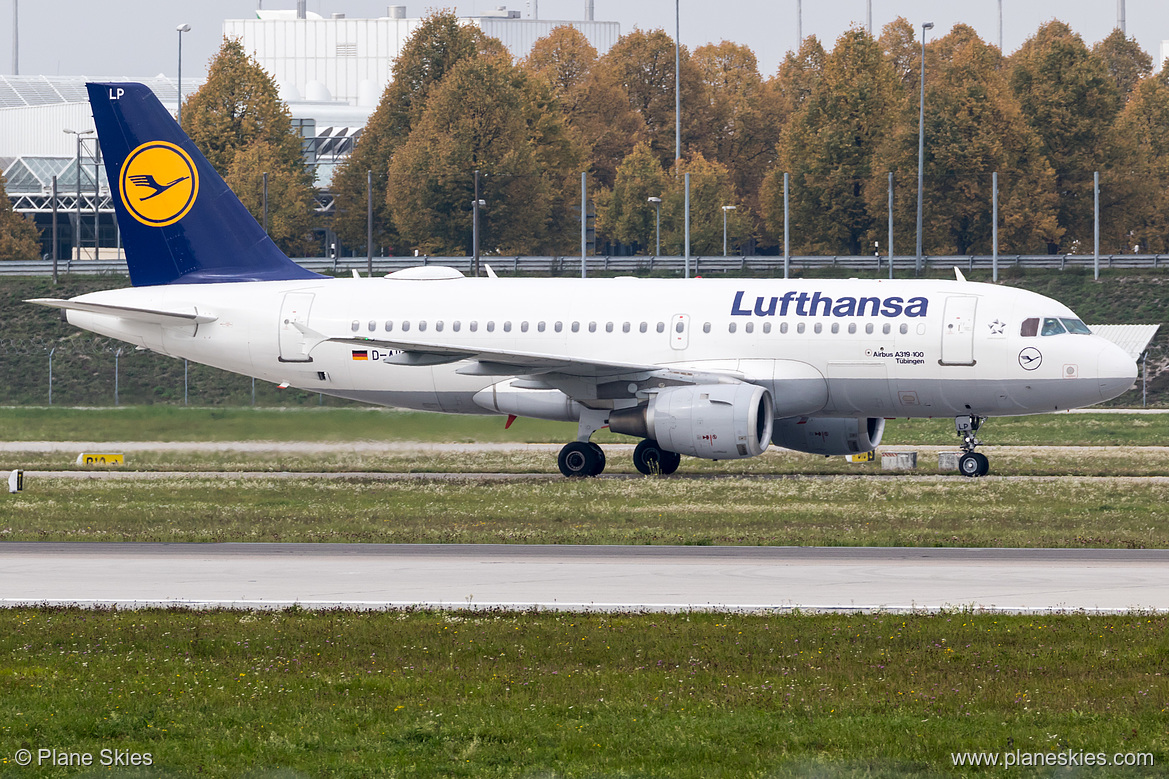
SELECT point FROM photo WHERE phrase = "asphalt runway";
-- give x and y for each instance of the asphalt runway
(596, 578)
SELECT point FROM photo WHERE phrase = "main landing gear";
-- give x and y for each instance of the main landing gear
(971, 463)
(584, 458)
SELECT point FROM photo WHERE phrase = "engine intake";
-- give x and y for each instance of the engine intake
(826, 435)
(715, 421)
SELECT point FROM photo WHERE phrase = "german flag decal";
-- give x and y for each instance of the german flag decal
(360, 354)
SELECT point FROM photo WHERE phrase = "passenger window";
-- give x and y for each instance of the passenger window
(680, 327)
(491, 327)
(422, 326)
(625, 327)
(661, 327)
(507, 326)
(355, 326)
(592, 327)
(558, 326)
(474, 326)
(608, 327)
(800, 328)
(869, 328)
(523, 327)
(852, 327)
(643, 327)
(1051, 326)
(835, 328)
(372, 325)
(750, 327)
(819, 328)
(540, 327)
(438, 326)
(904, 329)
(767, 327)
(885, 328)
(706, 327)
(1029, 328)
(406, 327)
(389, 325)
(783, 328)
(730, 328)
(455, 325)
(576, 327)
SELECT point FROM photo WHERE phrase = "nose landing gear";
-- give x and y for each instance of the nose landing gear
(971, 463)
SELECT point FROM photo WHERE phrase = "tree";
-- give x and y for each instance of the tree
(711, 188)
(1125, 60)
(437, 44)
(797, 78)
(290, 203)
(828, 148)
(1070, 101)
(641, 64)
(974, 127)
(744, 113)
(627, 215)
(1145, 121)
(481, 117)
(238, 112)
(18, 235)
(603, 125)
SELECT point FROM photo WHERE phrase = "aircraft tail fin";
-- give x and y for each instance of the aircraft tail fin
(180, 222)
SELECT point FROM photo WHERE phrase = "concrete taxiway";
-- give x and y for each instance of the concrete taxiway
(373, 576)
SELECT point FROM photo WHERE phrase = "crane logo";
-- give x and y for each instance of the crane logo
(159, 183)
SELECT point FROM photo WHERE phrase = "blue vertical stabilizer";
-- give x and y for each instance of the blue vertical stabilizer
(180, 222)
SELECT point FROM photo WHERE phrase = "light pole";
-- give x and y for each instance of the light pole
(182, 28)
(77, 233)
(725, 209)
(921, 140)
(657, 204)
(677, 83)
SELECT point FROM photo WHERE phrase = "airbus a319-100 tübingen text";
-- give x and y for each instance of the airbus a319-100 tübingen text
(718, 369)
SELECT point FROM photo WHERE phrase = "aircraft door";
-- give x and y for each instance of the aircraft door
(958, 330)
(293, 310)
(680, 331)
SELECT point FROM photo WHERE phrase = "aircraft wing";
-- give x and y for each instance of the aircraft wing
(185, 318)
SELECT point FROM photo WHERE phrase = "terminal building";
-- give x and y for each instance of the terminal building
(331, 73)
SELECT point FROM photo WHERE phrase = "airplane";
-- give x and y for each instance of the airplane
(710, 368)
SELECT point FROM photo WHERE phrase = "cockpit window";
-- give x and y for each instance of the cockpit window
(1052, 326)
(1076, 326)
(1030, 328)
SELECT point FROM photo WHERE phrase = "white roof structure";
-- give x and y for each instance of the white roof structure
(1134, 339)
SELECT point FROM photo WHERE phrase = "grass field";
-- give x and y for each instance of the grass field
(176, 423)
(834, 511)
(345, 694)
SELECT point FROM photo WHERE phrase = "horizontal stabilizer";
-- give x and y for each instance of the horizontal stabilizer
(164, 318)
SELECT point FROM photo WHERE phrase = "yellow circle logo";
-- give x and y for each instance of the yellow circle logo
(159, 183)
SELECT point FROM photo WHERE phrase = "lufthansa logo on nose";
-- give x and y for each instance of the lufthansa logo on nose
(1030, 358)
(159, 183)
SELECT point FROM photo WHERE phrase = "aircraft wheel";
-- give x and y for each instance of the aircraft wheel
(670, 462)
(579, 458)
(973, 464)
(648, 456)
(601, 457)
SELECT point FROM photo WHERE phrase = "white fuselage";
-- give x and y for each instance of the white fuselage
(843, 348)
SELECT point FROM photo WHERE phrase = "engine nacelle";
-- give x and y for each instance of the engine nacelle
(715, 421)
(826, 435)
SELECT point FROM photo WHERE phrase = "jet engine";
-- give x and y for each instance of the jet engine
(826, 435)
(715, 421)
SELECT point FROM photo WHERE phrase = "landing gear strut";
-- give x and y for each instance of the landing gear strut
(971, 463)
(651, 459)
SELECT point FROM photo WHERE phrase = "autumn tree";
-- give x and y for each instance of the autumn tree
(481, 117)
(974, 126)
(798, 75)
(1126, 61)
(743, 112)
(641, 64)
(237, 112)
(828, 148)
(437, 44)
(1071, 101)
(18, 235)
(1145, 122)
(711, 188)
(602, 123)
(627, 215)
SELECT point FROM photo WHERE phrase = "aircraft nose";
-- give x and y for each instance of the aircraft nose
(1115, 370)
